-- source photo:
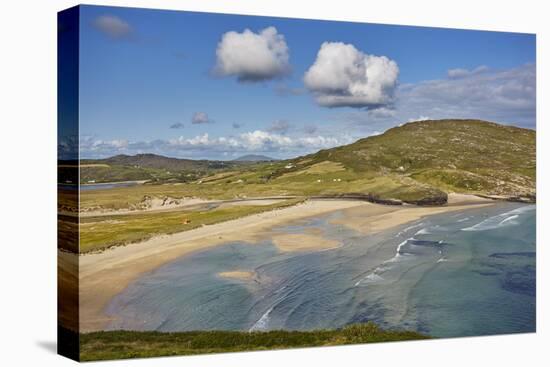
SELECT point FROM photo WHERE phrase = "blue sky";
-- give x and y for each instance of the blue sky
(198, 85)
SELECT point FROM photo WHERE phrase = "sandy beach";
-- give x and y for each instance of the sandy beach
(106, 274)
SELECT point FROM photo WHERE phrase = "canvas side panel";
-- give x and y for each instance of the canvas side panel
(68, 177)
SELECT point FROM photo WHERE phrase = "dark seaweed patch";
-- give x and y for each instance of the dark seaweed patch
(521, 281)
(505, 255)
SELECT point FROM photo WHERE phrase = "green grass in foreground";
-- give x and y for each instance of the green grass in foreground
(133, 344)
(98, 233)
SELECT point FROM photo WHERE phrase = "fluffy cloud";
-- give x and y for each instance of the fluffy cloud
(67, 147)
(344, 76)
(200, 118)
(250, 142)
(260, 140)
(252, 57)
(506, 96)
(461, 73)
(97, 147)
(279, 126)
(112, 26)
(116, 144)
(419, 118)
(381, 113)
(177, 125)
(204, 145)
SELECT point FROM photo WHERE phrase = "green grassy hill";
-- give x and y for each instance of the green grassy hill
(444, 155)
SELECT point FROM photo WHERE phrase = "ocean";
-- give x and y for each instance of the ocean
(449, 275)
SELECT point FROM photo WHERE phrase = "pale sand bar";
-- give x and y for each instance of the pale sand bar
(238, 274)
(302, 242)
(106, 274)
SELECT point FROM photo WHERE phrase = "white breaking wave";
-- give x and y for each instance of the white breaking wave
(405, 230)
(509, 219)
(263, 322)
(423, 231)
(374, 276)
(398, 253)
(371, 278)
(414, 226)
(501, 220)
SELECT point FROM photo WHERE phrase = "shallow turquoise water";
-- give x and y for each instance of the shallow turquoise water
(454, 274)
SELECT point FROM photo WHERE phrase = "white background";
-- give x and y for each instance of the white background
(28, 181)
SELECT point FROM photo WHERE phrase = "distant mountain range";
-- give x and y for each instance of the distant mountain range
(159, 162)
(151, 167)
(254, 158)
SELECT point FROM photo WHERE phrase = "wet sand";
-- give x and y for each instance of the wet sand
(302, 242)
(238, 274)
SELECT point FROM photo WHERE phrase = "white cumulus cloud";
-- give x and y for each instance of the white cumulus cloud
(112, 26)
(462, 73)
(253, 57)
(419, 118)
(200, 118)
(344, 76)
(381, 113)
(505, 96)
(207, 146)
(258, 140)
(279, 126)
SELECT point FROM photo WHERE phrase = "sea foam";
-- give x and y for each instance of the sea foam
(262, 322)
(501, 220)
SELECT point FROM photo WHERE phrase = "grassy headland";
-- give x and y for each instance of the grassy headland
(134, 344)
